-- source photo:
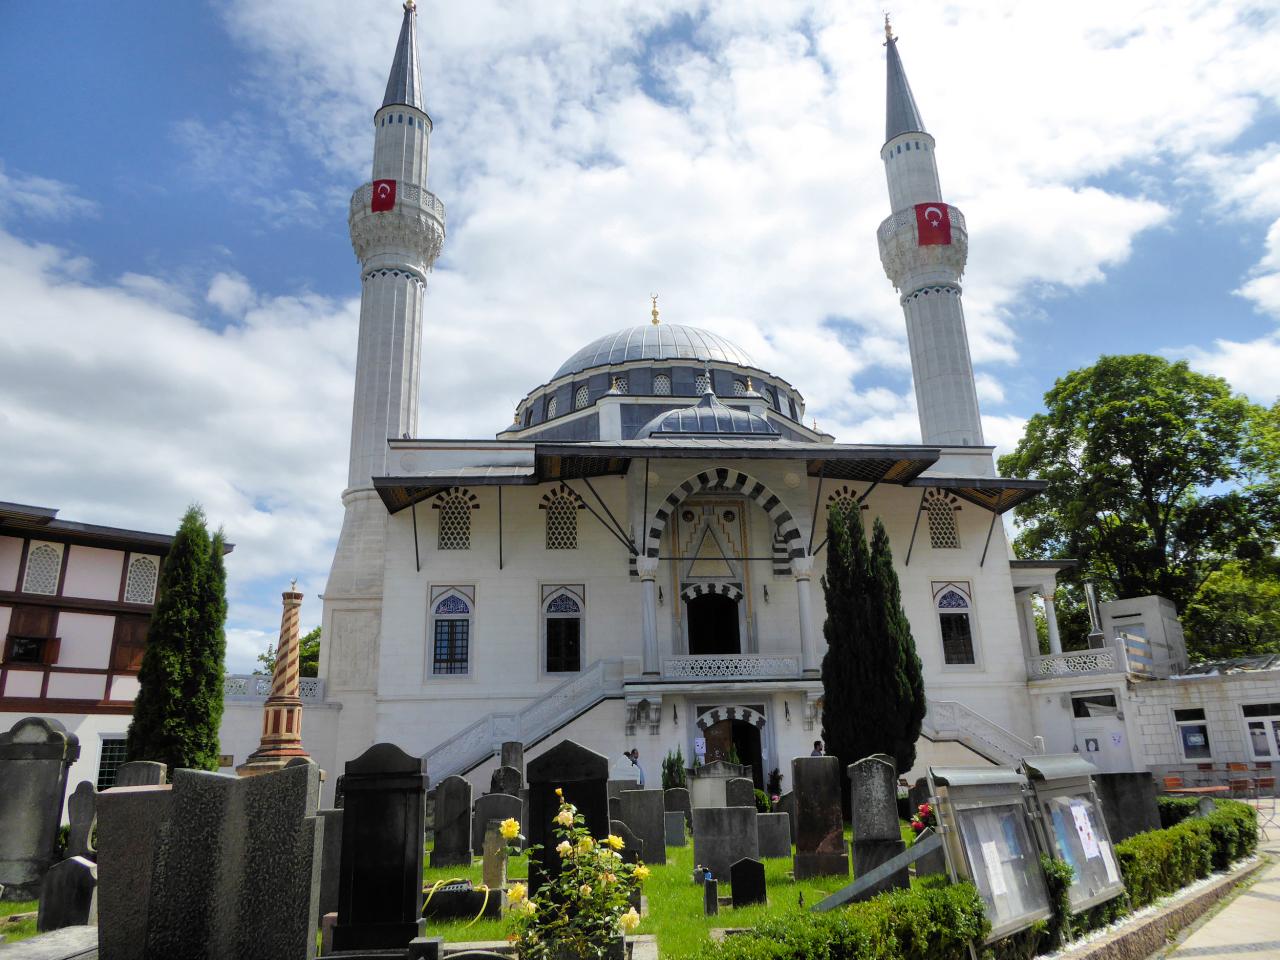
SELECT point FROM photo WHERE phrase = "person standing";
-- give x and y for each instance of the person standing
(817, 749)
(634, 757)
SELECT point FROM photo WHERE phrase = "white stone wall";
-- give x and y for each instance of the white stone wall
(912, 174)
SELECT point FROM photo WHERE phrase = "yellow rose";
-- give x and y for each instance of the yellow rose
(565, 817)
(559, 793)
(517, 893)
(585, 845)
(614, 841)
(608, 878)
(629, 920)
(585, 889)
(510, 828)
(642, 872)
(564, 848)
(526, 907)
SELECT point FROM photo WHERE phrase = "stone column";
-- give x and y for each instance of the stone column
(1051, 618)
(647, 568)
(1028, 614)
(802, 570)
(282, 713)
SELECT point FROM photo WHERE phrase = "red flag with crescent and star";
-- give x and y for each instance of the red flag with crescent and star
(384, 195)
(933, 223)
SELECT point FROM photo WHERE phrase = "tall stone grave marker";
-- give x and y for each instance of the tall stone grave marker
(1128, 803)
(129, 825)
(634, 849)
(453, 824)
(643, 812)
(237, 867)
(722, 836)
(787, 804)
(746, 877)
(34, 758)
(70, 895)
(773, 833)
(494, 867)
(582, 774)
(819, 824)
(675, 828)
(493, 806)
(511, 754)
(383, 829)
(739, 792)
(874, 808)
(506, 780)
(82, 815)
(141, 773)
(677, 798)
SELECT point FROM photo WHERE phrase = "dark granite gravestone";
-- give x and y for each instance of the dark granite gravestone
(642, 811)
(493, 806)
(917, 794)
(930, 863)
(615, 787)
(141, 773)
(129, 823)
(35, 756)
(81, 816)
(1128, 803)
(773, 835)
(677, 798)
(506, 780)
(615, 808)
(722, 836)
(237, 867)
(330, 861)
(70, 895)
(711, 897)
(873, 802)
(511, 754)
(582, 774)
(633, 847)
(383, 829)
(739, 792)
(746, 877)
(674, 824)
(819, 823)
(787, 804)
(452, 824)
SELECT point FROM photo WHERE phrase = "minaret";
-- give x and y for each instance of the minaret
(397, 230)
(924, 246)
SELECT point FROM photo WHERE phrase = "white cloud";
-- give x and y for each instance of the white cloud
(230, 293)
(41, 198)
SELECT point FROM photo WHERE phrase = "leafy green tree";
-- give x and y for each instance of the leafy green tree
(873, 687)
(308, 656)
(673, 774)
(1157, 476)
(179, 704)
(1235, 614)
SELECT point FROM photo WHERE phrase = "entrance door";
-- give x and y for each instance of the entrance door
(1099, 732)
(743, 739)
(713, 625)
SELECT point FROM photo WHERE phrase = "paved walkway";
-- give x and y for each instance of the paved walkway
(1247, 928)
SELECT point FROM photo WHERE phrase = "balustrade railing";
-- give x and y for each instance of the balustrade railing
(747, 666)
(952, 720)
(243, 686)
(1071, 663)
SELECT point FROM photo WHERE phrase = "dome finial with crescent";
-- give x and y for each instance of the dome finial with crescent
(654, 298)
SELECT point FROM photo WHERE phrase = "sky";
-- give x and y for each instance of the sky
(179, 299)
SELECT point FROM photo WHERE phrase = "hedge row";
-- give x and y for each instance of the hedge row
(1159, 862)
(932, 921)
(1173, 810)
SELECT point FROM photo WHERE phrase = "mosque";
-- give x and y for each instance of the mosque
(634, 561)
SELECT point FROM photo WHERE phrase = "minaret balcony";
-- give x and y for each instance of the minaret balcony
(903, 256)
(416, 223)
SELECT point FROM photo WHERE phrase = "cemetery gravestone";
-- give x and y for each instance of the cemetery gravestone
(494, 867)
(918, 793)
(615, 787)
(493, 806)
(739, 792)
(140, 773)
(819, 823)
(722, 836)
(237, 867)
(673, 821)
(708, 792)
(677, 798)
(82, 815)
(787, 804)
(506, 780)
(511, 754)
(930, 863)
(583, 775)
(711, 897)
(453, 824)
(129, 823)
(380, 880)
(69, 897)
(643, 812)
(1128, 803)
(633, 847)
(874, 815)
(746, 877)
(615, 808)
(773, 834)
(35, 755)
(330, 861)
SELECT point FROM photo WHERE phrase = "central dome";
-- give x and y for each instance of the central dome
(655, 341)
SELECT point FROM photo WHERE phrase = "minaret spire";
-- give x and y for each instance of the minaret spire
(901, 113)
(404, 85)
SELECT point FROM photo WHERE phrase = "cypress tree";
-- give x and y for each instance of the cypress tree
(902, 677)
(179, 703)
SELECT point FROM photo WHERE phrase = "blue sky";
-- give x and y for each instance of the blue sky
(178, 295)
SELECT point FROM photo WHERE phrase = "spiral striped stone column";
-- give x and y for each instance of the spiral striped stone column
(282, 713)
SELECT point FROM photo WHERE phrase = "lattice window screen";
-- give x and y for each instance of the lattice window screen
(581, 398)
(140, 585)
(110, 760)
(662, 385)
(739, 388)
(943, 533)
(44, 563)
(562, 524)
(551, 408)
(455, 524)
(620, 385)
(701, 384)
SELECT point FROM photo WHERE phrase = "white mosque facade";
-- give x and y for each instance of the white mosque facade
(635, 561)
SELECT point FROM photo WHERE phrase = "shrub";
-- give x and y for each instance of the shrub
(763, 805)
(1173, 810)
(673, 770)
(932, 921)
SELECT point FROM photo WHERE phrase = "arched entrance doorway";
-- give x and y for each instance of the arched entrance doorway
(713, 625)
(735, 732)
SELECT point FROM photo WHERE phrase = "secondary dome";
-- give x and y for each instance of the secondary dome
(709, 417)
(655, 341)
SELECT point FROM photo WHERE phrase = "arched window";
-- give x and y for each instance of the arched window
(451, 636)
(701, 384)
(562, 520)
(942, 507)
(620, 385)
(455, 519)
(140, 583)
(843, 500)
(953, 604)
(44, 564)
(562, 624)
(662, 385)
(551, 408)
(739, 388)
(769, 398)
(581, 398)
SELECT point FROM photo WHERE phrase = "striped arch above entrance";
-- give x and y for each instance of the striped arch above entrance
(724, 480)
(710, 718)
(731, 590)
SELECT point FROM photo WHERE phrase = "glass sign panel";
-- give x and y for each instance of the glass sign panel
(1004, 864)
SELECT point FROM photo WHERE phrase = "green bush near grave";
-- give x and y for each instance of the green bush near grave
(1173, 810)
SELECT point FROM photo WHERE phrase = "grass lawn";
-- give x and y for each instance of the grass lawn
(675, 914)
(9, 932)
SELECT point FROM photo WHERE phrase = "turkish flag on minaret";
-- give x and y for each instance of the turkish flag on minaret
(933, 223)
(384, 195)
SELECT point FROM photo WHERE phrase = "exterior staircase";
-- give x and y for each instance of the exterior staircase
(473, 745)
(952, 720)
